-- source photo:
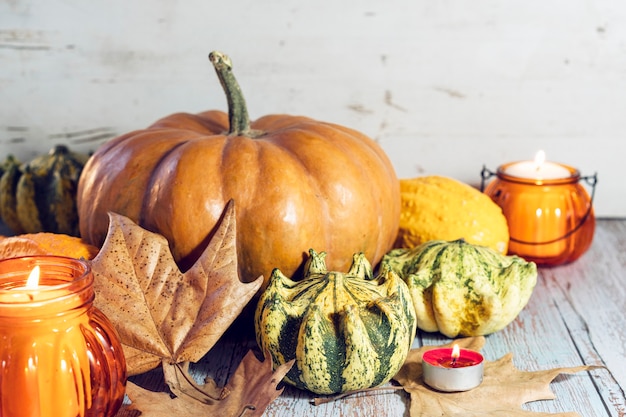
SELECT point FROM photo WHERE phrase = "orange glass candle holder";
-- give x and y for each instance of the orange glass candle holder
(59, 355)
(551, 221)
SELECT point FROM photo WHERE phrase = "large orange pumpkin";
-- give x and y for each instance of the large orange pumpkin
(297, 183)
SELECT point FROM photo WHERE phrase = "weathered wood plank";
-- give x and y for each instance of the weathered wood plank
(577, 315)
(540, 339)
(491, 82)
(297, 403)
(592, 300)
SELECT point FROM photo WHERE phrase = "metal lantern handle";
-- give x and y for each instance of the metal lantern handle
(591, 180)
(485, 174)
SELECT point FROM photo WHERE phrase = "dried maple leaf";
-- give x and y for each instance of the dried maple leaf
(165, 316)
(248, 392)
(503, 391)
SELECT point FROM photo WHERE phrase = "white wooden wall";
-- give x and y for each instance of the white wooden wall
(444, 86)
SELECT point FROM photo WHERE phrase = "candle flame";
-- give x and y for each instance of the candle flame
(33, 278)
(540, 158)
(456, 352)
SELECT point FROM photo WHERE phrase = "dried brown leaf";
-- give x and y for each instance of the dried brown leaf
(162, 314)
(159, 404)
(503, 391)
(254, 385)
(248, 392)
(181, 384)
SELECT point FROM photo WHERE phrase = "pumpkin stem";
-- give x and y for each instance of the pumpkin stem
(237, 111)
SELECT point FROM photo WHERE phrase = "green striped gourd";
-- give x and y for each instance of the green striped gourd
(40, 196)
(346, 331)
(9, 176)
(463, 289)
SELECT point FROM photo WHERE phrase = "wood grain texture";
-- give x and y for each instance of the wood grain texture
(576, 316)
(443, 87)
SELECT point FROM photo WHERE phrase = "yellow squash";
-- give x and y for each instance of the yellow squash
(442, 208)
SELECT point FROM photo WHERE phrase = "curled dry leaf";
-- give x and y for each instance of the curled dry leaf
(503, 391)
(248, 392)
(165, 316)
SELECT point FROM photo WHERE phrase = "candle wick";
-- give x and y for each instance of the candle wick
(454, 361)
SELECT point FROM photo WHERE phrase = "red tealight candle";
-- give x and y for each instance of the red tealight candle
(452, 369)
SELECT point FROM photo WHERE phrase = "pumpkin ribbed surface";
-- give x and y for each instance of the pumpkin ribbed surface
(463, 289)
(296, 182)
(441, 208)
(346, 331)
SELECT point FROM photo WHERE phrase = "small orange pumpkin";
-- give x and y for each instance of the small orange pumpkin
(45, 243)
(297, 183)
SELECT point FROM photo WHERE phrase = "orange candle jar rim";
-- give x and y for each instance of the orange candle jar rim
(68, 286)
(573, 178)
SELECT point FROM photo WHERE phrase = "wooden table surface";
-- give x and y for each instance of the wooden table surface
(576, 316)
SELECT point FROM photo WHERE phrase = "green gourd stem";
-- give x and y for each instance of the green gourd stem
(238, 118)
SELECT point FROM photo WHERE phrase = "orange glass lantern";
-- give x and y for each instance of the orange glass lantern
(549, 213)
(59, 355)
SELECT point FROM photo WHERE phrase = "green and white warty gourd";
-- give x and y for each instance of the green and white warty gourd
(346, 331)
(463, 289)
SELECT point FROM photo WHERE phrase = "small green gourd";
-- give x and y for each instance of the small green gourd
(346, 331)
(463, 289)
(40, 195)
(9, 176)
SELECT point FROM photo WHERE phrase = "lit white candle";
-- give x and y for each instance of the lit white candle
(538, 169)
(29, 291)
